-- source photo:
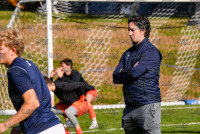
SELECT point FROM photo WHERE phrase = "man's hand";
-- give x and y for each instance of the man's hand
(53, 73)
(136, 64)
(3, 128)
(59, 72)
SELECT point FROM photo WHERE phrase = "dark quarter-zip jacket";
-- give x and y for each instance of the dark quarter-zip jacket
(140, 83)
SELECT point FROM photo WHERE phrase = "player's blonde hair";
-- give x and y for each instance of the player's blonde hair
(12, 39)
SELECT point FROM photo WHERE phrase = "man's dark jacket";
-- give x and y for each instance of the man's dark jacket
(140, 83)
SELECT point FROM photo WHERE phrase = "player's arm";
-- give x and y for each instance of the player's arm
(60, 73)
(68, 87)
(51, 87)
(78, 85)
(75, 78)
(30, 104)
(52, 74)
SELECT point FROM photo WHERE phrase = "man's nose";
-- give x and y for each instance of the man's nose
(130, 33)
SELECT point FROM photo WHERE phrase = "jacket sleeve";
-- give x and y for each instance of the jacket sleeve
(76, 77)
(67, 87)
(117, 78)
(148, 60)
(133, 73)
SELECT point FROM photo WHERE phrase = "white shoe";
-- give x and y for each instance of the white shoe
(94, 125)
(68, 124)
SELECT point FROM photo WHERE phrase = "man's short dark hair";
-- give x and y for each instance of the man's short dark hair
(67, 62)
(48, 81)
(142, 23)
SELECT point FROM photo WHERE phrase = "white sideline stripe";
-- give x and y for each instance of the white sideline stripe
(180, 108)
(191, 123)
(111, 129)
(88, 131)
(167, 108)
(164, 125)
(177, 103)
(115, 106)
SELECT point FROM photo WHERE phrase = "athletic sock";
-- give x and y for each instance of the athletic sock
(67, 131)
(79, 131)
(92, 113)
(94, 119)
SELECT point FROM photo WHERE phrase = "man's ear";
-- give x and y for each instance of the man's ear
(14, 51)
(143, 32)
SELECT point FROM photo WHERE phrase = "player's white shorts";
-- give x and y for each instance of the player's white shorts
(57, 129)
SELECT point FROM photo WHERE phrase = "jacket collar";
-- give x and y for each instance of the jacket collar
(140, 45)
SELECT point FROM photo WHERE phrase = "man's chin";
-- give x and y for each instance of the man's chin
(134, 43)
(1, 62)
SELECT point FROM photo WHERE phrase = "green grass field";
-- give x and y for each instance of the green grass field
(175, 119)
(71, 42)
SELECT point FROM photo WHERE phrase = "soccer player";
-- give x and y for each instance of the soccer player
(27, 90)
(67, 74)
(138, 71)
(77, 108)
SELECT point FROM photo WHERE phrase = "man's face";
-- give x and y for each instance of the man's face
(65, 67)
(51, 86)
(5, 53)
(135, 33)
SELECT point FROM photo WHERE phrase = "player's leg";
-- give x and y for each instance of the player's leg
(81, 106)
(59, 108)
(91, 96)
(71, 113)
(92, 114)
(78, 108)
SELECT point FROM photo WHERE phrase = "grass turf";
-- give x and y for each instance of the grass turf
(73, 32)
(109, 121)
(169, 36)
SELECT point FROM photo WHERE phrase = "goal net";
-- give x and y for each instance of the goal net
(94, 35)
